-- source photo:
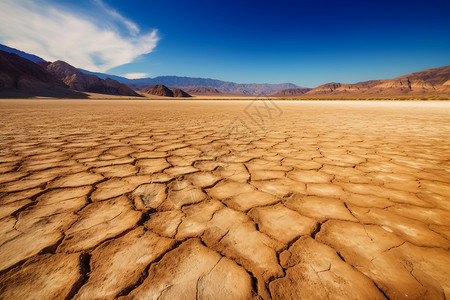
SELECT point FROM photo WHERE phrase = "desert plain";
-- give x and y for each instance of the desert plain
(224, 199)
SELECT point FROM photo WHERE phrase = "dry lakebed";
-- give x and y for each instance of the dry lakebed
(259, 199)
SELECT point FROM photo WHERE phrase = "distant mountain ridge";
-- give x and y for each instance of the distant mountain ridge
(28, 56)
(226, 87)
(202, 90)
(290, 92)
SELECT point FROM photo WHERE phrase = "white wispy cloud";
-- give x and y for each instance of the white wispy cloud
(136, 75)
(130, 25)
(56, 33)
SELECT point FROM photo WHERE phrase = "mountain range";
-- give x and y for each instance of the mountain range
(290, 92)
(27, 75)
(203, 90)
(225, 87)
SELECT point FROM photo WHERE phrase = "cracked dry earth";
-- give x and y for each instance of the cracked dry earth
(166, 200)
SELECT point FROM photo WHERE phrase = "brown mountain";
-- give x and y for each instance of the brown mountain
(162, 90)
(159, 90)
(290, 92)
(80, 81)
(428, 82)
(202, 90)
(20, 77)
(179, 93)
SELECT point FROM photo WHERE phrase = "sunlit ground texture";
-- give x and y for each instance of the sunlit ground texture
(224, 200)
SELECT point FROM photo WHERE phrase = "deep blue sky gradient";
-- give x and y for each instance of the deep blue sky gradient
(304, 42)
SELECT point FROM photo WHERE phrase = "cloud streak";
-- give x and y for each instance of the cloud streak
(131, 26)
(136, 75)
(95, 44)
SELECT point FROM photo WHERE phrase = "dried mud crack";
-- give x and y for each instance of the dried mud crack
(157, 200)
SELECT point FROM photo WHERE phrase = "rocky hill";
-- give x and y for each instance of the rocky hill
(428, 82)
(80, 81)
(162, 90)
(20, 77)
(159, 90)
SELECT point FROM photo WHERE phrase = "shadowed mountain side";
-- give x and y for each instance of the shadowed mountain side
(180, 93)
(22, 78)
(80, 81)
(428, 82)
(162, 90)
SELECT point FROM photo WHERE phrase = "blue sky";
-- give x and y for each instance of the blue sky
(304, 42)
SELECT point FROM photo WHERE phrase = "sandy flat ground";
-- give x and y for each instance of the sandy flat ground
(224, 200)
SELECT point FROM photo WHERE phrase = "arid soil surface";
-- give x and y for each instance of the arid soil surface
(224, 200)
